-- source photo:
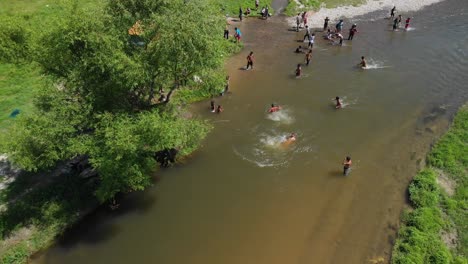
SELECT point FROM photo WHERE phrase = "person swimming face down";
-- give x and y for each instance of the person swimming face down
(274, 108)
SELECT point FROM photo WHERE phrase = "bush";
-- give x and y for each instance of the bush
(424, 190)
(14, 46)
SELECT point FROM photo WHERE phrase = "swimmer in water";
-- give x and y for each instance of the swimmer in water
(289, 139)
(363, 63)
(299, 50)
(220, 109)
(338, 102)
(347, 165)
(274, 108)
(298, 70)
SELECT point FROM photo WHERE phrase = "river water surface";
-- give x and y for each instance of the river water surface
(245, 198)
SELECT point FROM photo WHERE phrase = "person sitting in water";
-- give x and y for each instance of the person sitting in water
(299, 50)
(363, 63)
(219, 109)
(298, 70)
(347, 165)
(274, 108)
(338, 102)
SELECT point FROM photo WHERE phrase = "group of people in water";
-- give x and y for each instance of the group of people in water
(397, 20)
(334, 35)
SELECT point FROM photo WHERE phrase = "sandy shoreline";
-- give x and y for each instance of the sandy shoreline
(402, 6)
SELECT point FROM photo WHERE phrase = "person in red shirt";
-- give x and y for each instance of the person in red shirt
(352, 31)
(407, 23)
(250, 60)
(274, 108)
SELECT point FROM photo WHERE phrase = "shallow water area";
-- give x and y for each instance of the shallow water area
(245, 197)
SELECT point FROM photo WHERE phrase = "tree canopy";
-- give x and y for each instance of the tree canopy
(100, 102)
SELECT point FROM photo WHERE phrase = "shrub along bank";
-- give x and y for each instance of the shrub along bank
(435, 230)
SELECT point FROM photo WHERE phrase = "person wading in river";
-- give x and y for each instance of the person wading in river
(311, 41)
(250, 59)
(395, 24)
(392, 12)
(325, 24)
(298, 21)
(352, 31)
(407, 23)
(363, 63)
(308, 57)
(298, 71)
(347, 166)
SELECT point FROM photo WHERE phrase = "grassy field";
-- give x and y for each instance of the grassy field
(436, 229)
(18, 81)
(17, 85)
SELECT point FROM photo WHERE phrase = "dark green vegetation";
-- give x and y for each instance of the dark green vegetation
(438, 217)
(86, 77)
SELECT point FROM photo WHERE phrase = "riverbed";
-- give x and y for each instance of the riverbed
(244, 197)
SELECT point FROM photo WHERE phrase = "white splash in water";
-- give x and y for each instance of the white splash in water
(283, 116)
(374, 64)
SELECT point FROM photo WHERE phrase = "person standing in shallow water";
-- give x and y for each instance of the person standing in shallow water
(325, 24)
(395, 24)
(237, 34)
(347, 166)
(298, 21)
(308, 57)
(250, 59)
(352, 31)
(407, 23)
(298, 70)
(311, 41)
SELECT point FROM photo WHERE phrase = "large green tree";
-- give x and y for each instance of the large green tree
(100, 102)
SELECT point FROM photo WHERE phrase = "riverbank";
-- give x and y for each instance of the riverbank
(351, 9)
(434, 230)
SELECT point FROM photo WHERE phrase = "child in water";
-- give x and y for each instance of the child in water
(338, 102)
(347, 165)
(363, 63)
(407, 23)
(289, 139)
(274, 108)
(219, 109)
(298, 71)
(308, 57)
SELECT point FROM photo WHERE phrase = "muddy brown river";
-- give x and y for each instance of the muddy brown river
(246, 198)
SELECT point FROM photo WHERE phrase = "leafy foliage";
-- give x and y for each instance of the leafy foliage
(419, 239)
(14, 44)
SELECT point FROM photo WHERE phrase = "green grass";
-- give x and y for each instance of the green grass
(419, 239)
(17, 85)
(18, 81)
